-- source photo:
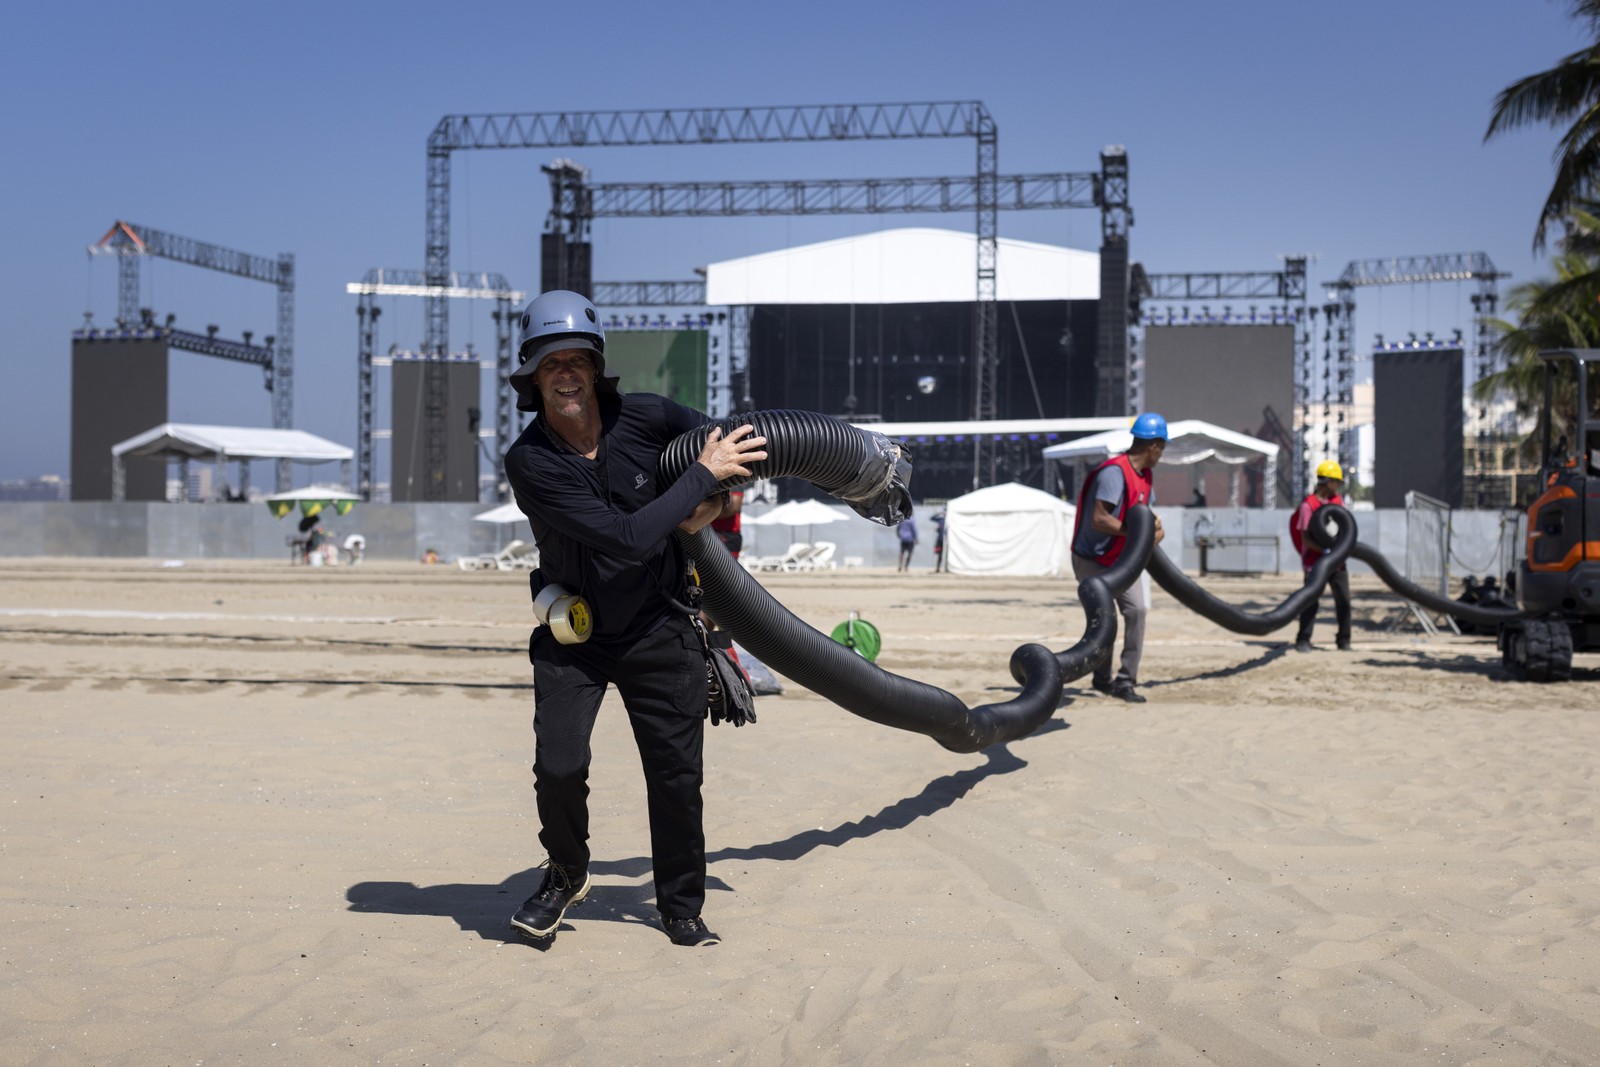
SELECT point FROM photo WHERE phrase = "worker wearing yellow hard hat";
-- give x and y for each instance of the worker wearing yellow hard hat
(1330, 479)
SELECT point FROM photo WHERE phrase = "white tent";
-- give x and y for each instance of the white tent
(222, 444)
(503, 514)
(1008, 529)
(1188, 441)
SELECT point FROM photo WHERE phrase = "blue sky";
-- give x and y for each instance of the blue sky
(1253, 130)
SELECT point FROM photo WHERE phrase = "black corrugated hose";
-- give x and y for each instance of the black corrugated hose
(836, 456)
(830, 453)
(1473, 613)
(1338, 546)
(862, 469)
(1098, 595)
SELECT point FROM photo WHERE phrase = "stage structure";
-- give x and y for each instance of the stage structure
(1418, 441)
(1176, 371)
(435, 386)
(575, 203)
(416, 474)
(120, 380)
(848, 122)
(1336, 361)
(129, 241)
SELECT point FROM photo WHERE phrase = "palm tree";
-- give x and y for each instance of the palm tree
(1552, 313)
(1568, 94)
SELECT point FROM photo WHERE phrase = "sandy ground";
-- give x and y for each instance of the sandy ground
(262, 814)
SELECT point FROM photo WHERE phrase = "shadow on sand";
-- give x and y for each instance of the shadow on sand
(485, 908)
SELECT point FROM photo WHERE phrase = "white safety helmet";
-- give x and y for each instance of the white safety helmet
(557, 321)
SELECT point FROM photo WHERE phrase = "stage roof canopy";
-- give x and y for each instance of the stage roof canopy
(902, 266)
(222, 445)
(177, 440)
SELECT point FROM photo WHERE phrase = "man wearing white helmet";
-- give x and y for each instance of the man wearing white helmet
(1330, 479)
(1108, 492)
(584, 473)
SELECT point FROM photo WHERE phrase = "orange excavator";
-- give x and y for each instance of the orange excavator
(1558, 583)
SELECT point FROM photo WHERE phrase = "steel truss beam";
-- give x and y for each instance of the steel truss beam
(203, 344)
(650, 294)
(764, 125)
(475, 286)
(1409, 270)
(1243, 285)
(833, 196)
(128, 241)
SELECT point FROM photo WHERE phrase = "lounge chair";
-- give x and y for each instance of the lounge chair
(821, 557)
(518, 555)
(524, 558)
(789, 561)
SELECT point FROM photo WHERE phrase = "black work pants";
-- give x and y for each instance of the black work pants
(662, 681)
(1339, 583)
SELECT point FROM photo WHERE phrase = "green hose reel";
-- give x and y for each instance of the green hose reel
(859, 634)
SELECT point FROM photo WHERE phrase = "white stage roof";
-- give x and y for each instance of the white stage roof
(995, 427)
(1188, 441)
(902, 266)
(231, 442)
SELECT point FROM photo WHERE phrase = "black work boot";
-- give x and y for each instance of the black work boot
(541, 913)
(689, 933)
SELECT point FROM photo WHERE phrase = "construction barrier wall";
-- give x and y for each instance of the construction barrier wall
(149, 530)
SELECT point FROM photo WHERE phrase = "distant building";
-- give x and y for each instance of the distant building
(44, 487)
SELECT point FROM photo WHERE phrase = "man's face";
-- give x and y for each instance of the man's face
(1156, 450)
(566, 382)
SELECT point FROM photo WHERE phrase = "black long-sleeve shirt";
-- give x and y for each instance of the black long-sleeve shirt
(603, 525)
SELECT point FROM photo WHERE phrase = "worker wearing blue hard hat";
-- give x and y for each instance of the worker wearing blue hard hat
(1108, 492)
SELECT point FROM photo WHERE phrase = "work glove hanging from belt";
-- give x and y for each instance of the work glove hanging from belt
(728, 694)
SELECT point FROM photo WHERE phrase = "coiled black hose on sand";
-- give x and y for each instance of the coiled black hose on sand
(785, 643)
(832, 454)
(1098, 595)
(1184, 589)
(1473, 613)
(1335, 532)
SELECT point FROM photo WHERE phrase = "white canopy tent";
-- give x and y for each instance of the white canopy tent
(1188, 441)
(222, 445)
(501, 515)
(1008, 529)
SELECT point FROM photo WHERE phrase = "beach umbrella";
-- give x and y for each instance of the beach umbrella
(502, 514)
(807, 513)
(312, 500)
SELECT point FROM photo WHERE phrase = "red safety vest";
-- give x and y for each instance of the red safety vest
(1136, 490)
(1300, 522)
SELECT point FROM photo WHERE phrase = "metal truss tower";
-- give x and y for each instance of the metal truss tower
(479, 286)
(1112, 392)
(575, 205)
(128, 241)
(1287, 288)
(1339, 325)
(707, 126)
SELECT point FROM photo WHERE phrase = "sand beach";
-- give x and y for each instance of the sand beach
(258, 814)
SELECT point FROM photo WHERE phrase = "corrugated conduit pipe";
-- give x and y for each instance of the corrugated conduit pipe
(829, 453)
